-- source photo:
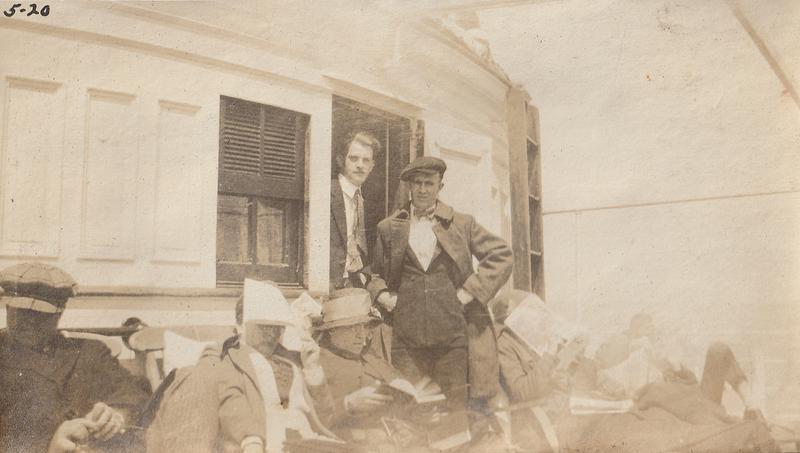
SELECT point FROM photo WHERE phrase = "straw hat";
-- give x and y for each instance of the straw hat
(349, 306)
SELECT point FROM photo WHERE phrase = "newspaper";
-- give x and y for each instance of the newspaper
(541, 328)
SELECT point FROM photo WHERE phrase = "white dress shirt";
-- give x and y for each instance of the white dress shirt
(421, 237)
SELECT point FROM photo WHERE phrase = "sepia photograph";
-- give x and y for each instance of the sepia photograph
(410, 226)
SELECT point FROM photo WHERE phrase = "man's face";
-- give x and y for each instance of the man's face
(358, 163)
(425, 189)
(31, 328)
(264, 338)
(354, 339)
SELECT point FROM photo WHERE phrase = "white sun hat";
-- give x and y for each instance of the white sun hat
(263, 303)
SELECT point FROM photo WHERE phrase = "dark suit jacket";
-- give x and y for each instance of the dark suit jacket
(461, 237)
(39, 391)
(346, 375)
(338, 250)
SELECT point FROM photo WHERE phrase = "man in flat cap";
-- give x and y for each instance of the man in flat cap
(66, 389)
(423, 274)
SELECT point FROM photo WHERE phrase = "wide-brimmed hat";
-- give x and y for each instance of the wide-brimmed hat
(36, 286)
(347, 307)
(263, 303)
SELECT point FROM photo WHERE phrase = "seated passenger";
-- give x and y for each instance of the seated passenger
(253, 391)
(530, 377)
(51, 383)
(673, 414)
(345, 336)
(636, 358)
(353, 372)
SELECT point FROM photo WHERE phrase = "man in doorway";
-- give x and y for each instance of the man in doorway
(423, 274)
(355, 158)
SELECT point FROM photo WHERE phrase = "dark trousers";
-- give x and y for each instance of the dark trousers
(447, 366)
(721, 367)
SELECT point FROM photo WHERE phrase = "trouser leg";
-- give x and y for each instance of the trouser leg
(445, 366)
(409, 362)
(721, 366)
(450, 372)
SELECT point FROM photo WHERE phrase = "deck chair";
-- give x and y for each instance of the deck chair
(149, 343)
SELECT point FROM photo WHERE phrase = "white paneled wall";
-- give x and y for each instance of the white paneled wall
(178, 231)
(110, 166)
(108, 160)
(32, 143)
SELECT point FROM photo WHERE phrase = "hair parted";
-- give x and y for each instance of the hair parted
(356, 136)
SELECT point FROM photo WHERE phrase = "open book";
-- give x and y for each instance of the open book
(296, 443)
(423, 392)
(452, 432)
(584, 406)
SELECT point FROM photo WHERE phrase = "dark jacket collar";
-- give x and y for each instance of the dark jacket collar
(337, 209)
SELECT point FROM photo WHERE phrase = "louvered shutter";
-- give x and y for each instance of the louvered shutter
(262, 150)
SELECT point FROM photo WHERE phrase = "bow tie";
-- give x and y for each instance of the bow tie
(426, 214)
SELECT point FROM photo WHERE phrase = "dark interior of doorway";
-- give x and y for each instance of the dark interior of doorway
(395, 134)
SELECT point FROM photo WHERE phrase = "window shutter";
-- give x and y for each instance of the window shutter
(279, 156)
(241, 137)
(262, 150)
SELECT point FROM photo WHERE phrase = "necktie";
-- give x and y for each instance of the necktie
(357, 242)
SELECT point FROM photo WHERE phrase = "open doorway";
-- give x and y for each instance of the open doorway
(396, 134)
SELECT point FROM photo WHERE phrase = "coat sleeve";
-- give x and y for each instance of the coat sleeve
(324, 403)
(523, 383)
(235, 408)
(193, 391)
(378, 267)
(111, 383)
(495, 260)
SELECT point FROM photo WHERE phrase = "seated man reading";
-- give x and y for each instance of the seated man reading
(360, 380)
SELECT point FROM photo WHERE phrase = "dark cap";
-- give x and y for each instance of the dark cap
(37, 286)
(425, 164)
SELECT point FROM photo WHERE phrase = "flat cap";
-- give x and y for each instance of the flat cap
(426, 164)
(37, 286)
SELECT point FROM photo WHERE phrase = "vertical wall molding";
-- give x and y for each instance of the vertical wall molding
(31, 168)
(518, 179)
(110, 170)
(179, 181)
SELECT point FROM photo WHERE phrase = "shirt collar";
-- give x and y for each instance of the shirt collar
(348, 187)
(416, 213)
